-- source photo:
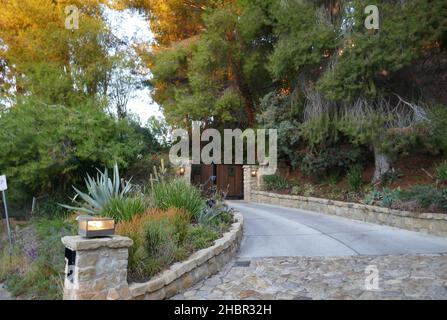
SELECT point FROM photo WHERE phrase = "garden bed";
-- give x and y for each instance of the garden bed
(198, 266)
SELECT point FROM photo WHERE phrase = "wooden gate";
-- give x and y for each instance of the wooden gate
(227, 178)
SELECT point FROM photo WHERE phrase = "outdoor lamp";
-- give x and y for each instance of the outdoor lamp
(254, 173)
(182, 171)
(92, 227)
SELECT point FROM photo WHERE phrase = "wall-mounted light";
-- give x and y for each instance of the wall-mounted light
(92, 227)
(181, 171)
(254, 173)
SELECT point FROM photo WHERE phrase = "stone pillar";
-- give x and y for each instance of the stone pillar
(247, 182)
(96, 269)
(188, 171)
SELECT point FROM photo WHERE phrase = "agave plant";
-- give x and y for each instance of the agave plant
(101, 191)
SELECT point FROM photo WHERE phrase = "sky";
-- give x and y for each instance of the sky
(133, 26)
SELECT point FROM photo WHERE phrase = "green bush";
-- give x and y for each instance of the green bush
(178, 194)
(438, 121)
(330, 160)
(47, 147)
(200, 237)
(164, 241)
(427, 196)
(355, 178)
(384, 198)
(390, 177)
(124, 208)
(441, 172)
(276, 182)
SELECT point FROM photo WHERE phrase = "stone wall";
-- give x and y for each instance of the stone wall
(199, 266)
(99, 270)
(433, 223)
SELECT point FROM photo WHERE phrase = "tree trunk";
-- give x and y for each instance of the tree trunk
(248, 103)
(382, 165)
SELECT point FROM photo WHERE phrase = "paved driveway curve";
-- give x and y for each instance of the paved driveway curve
(273, 231)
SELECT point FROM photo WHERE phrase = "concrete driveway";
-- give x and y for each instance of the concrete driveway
(273, 231)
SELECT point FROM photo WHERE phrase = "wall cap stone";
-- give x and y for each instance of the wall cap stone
(78, 243)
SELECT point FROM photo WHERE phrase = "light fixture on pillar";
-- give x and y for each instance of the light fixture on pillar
(92, 227)
(181, 171)
(254, 173)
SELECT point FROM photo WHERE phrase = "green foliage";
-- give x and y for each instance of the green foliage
(124, 208)
(49, 147)
(216, 211)
(428, 197)
(163, 242)
(101, 191)
(441, 171)
(302, 38)
(355, 178)
(178, 194)
(158, 174)
(200, 236)
(438, 120)
(320, 163)
(276, 182)
(40, 274)
(319, 131)
(276, 112)
(409, 141)
(332, 178)
(404, 30)
(390, 177)
(384, 198)
(162, 238)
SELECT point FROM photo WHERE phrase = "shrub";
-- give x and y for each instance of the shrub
(200, 237)
(42, 276)
(355, 178)
(158, 237)
(276, 182)
(332, 178)
(320, 163)
(178, 194)
(441, 172)
(428, 197)
(62, 143)
(390, 177)
(216, 211)
(384, 198)
(124, 208)
(296, 190)
(101, 191)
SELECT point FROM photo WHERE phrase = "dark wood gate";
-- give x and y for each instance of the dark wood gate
(227, 178)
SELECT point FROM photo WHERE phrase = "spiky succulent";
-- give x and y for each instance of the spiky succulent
(100, 191)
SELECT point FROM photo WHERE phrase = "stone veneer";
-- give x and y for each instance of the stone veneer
(100, 269)
(433, 223)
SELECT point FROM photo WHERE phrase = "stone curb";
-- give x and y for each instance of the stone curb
(432, 223)
(198, 266)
